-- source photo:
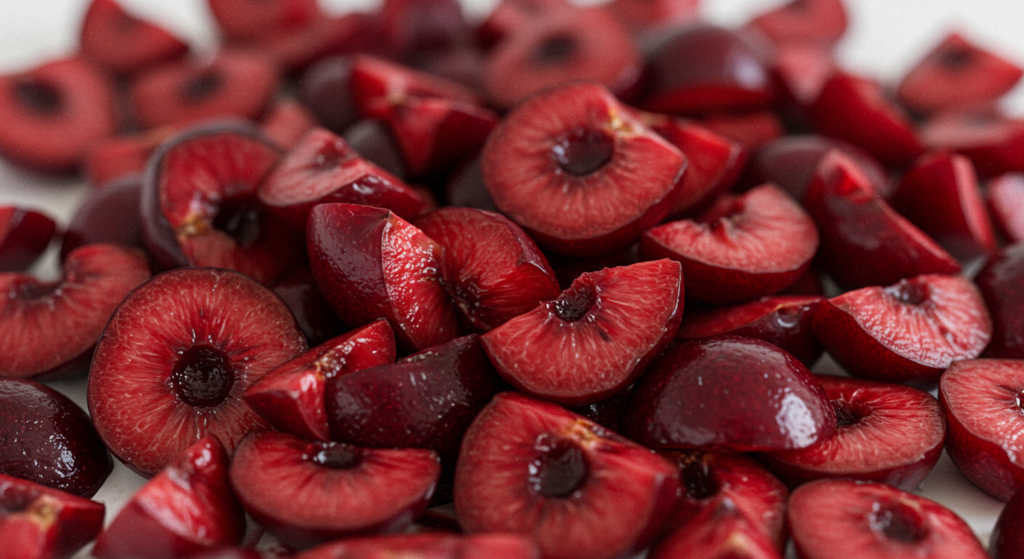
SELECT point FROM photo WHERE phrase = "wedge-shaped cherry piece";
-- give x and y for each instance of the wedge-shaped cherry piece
(412, 27)
(286, 122)
(298, 290)
(874, 520)
(436, 123)
(200, 207)
(307, 493)
(854, 109)
(252, 19)
(646, 19)
(296, 49)
(801, 70)
(291, 397)
(106, 215)
(50, 327)
(704, 68)
(743, 247)
(887, 433)
(579, 172)
(177, 356)
(715, 162)
(980, 400)
(687, 399)
(492, 269)
(39, 522)
(782, 320)
(957, 73)
(186, 508)
(597, 336)
(940, 194)
(999, 282)
(719, 531)
(911, 330)
(236, 83)
(1005, 202)
(426, 400)
(54, 112)
(322, 168)
(24, 235)
(123, 43)
(569, 44)
(728, 487)
(991, 140)
(325, 89)
(790, 163)
(804, 21)
(750, 129)
(1006, 541)
(528, 466)
(863, 240)
(370, 263)
(49, 439)
(432, 545)
(510, 15)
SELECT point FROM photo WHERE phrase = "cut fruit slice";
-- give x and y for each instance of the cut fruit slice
(175, 359)
(492, 269)
(687, 399)
(39, 522)
(875, 521)
(106, 215)
(1006, 205)
(429, 545)
(307, 493)
(595, 338)
(981, 399)
(999, 282)
(253, 19)
(822, 22)
(909, 331)
(370, 263)
(24, 235)
(50, 328)
(579, 172)
(291, 397)
(887, 433)
(188, 507)
(531, 467)
(744, 247)
(123, 43)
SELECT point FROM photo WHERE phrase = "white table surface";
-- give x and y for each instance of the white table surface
(885, 38)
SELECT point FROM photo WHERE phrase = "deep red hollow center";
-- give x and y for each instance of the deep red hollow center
(560, 470)
(201, 86)
(240, 219)
(897, 521)
(39, 97)
(699, 481)
(848, 413)
(908, 292)
(203, 376)
(555, 50)
(574, 303)
(583, 151)
(336, 456)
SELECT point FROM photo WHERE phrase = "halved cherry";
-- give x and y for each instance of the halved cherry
(124, 43)
(428, 544)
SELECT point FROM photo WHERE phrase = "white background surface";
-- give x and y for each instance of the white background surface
(885, 38)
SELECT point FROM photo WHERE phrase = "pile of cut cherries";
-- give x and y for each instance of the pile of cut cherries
(546, 284)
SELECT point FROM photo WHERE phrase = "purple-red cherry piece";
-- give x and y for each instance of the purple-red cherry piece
(1000, 284)
(956, 74)
(53, 113)
(530, 467)
(107, 215)
(875, 521)
(177, 356)
(911, 330)
(323, 168)
(704, 68)
(864, 241)
(124, 43)
(687, 399)
(492, 269)
(236, 83)
(24, 235)
(49, 440)
(432, 545)
(39, 522)
(370, 263)
(742, 248)
(312, 492)
(50, 327)
(1006, 541)
(298, 290)
(200, 206)
(292, 396)
(981, 399)
(579, 172)
(567, 45)
(595, 338)
(188, 507)
(782, 320)
(887, 433)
